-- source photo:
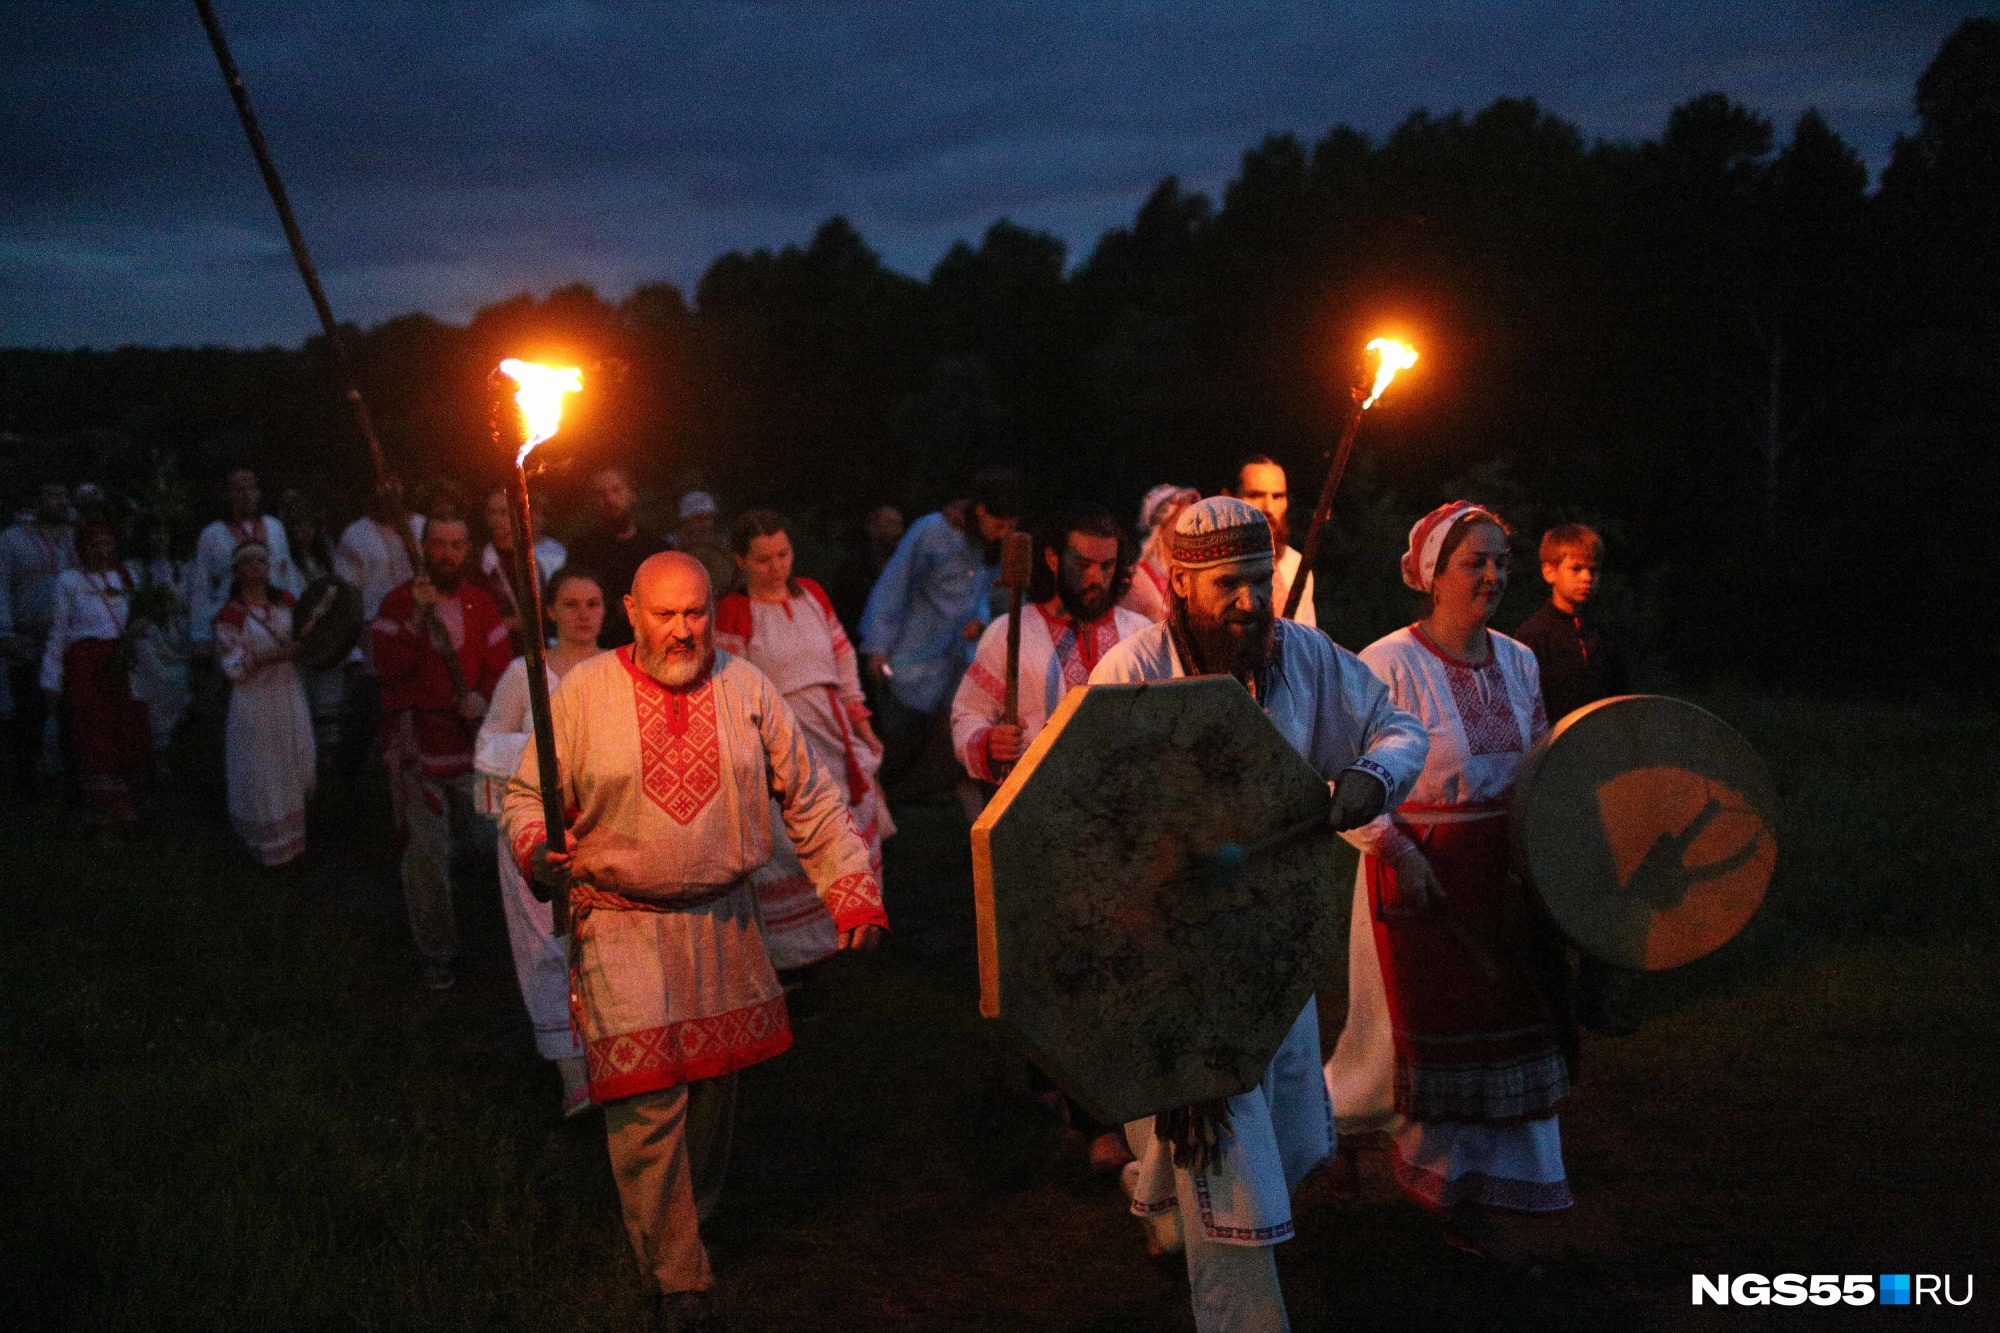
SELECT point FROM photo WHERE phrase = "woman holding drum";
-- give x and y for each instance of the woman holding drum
(1463, 1064)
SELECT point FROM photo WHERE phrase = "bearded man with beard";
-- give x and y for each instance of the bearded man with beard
(1083, 566)
(1261, 484)
(1221, 1175)
(430, 721)
(670, 753)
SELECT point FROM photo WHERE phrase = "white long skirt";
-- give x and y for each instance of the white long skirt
(160, 681)
(269, 758)
(1361, 1072)
(541, 964)
(1515, 1167)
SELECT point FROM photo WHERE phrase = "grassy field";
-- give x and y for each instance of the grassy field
(227, 1104)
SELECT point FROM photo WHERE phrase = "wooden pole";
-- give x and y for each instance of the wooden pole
(528, 593)
(1017, 570)
(296, 239)
(1324, 509)
(385, 482)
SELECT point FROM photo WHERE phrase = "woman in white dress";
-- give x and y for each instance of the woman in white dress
(1447, 1015)
(160, 638)
(87, 669)
(786, 627)
(268, 744)
(576, 603)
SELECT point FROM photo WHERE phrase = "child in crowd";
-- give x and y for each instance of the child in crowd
(1580, 664)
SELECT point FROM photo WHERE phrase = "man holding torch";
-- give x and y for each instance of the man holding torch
(669, 753)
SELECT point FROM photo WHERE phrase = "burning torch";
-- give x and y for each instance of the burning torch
(523, 419)
(1392, 358)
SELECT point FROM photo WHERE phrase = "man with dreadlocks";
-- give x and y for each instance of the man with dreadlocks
(1226, 1170)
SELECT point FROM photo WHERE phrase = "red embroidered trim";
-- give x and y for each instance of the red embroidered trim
(856, 900)
(524, 845)
(680, 755)
(630, 1063)
(1213, 548)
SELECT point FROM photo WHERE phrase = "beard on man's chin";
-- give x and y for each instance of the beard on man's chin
(681, 664)
(445, 577)
(1081, 605)
(1228, 644)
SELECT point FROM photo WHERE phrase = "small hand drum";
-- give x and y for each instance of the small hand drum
(328, 622)
(1648, 827)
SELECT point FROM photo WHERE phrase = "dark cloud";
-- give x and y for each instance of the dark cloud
(443, 155)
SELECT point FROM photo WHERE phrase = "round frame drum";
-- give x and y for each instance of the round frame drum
(1648, 826)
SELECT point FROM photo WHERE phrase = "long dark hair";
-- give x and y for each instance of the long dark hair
(1091, 520)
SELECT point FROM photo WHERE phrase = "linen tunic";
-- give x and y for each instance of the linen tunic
(1057, 656)
(32, 555)
(1338, 716)
(800, 645)
(671, 789)
(933, 586)
(1283, 571)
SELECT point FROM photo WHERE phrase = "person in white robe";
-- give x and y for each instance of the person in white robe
(576, 604)
(1234, 1204)
(268, 746)
(1450, 1043)
(1070, 621)
(34, 550)
(85, 666)
(160, 638)
(670, 752)
(787, 628)
(215, 552)
(1261, 484)
(1157, 515)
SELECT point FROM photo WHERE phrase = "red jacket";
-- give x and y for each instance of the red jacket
(416, 684)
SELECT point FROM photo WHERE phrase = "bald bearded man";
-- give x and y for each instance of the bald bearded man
(670, 753)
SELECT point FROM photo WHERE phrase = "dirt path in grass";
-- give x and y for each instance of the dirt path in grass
(228, 1105)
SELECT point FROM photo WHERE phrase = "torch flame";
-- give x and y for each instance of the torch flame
(1395, 356)
(539, 396)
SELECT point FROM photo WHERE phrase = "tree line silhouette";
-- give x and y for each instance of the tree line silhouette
(1773, 387)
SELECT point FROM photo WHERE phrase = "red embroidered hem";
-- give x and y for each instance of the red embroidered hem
(630, 1063)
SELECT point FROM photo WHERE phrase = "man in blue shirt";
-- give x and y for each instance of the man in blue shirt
(923, 622)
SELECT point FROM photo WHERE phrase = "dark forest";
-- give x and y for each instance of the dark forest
(1773, 386)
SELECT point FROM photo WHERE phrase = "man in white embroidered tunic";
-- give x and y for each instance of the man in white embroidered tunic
(1071, 622)
(670, 753)
(1227, 1170)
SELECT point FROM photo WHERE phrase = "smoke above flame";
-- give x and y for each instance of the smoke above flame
(1395, 357)
(539, 394)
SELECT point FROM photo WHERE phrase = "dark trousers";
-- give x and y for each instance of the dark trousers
(31, 718)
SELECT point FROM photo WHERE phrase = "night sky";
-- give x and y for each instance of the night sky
(444, 155)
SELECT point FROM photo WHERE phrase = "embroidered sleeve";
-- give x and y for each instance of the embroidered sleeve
(817, 819)
(977, 706)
